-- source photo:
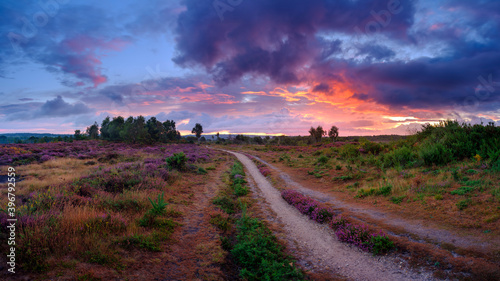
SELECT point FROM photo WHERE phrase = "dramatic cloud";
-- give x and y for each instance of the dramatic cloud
(59, 108)
(281, 66)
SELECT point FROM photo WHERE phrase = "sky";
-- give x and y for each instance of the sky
(249, 66)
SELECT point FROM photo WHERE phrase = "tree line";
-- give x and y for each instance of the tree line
(135, 130)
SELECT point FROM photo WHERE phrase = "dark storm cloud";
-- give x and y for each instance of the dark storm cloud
(275, 38)
(284, 40)
(59, 108)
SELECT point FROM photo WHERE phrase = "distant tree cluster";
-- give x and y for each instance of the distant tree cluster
(317, 133)
(133, 130)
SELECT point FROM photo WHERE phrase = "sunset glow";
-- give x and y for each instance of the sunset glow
(381, 69)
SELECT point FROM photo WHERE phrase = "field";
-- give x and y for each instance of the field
(95, 210)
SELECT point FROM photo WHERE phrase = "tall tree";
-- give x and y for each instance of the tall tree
(333, 133)
(197, 130)
(115, 127)
(105, 128)
(93, 131)
(317, 133)
(78, 135)
(155, 129)
(171, 132)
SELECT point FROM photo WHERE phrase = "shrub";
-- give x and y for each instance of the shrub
(240, 190)
(398, 200)
(463, 204)
(435, 153)
(177, 161)
(322, 160)
(338, 167)
(201, 171)
(348, 151)
(384, 190)
(370, 147)
(380, 244)
(403, 157)
(158, 206)
(462, 190)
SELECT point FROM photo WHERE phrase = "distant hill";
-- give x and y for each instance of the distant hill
(23, 137)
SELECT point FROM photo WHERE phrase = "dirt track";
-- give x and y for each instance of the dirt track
(423, 231)
(319, 246)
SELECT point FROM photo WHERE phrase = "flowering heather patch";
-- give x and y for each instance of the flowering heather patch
(306, 205)
(37, 152)
(264, 170)
(358, 235)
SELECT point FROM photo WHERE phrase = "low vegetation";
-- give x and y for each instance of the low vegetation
(250, 243)
(98, 203)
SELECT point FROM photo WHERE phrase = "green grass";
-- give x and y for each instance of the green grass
(258, 253)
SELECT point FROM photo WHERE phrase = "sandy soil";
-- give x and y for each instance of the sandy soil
(318, 245)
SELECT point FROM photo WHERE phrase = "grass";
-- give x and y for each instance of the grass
(105, 212)
(251, 244)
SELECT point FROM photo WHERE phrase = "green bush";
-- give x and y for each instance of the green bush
(348, 151)
(201, 171)
(322, 160)
(240, 190)
(463, 204)
(435, 153)
(384, 190)
(402, 157)
(370, 147)
(177, 161)
(462, 190)
(381, 244)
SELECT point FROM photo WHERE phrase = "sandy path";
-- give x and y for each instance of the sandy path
(423, 229)
(321, 245)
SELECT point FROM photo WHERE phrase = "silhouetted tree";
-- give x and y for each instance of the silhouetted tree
(93, 131)
(155, 129)
(115, 127)
(170, 132)
(197, 130)
(105, 128)
(317, 133)
(333, 133)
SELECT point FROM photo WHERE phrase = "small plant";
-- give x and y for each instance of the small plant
(462, 190)
(384, 190)
(201, 171)
(338, 167)
(322, 160)
(463, 204)
(398, 199)
(158, 206)
(438, 197)
(177, 161)
(381, 244)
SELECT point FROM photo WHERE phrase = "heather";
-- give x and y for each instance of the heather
(98, 202)
(358, 235)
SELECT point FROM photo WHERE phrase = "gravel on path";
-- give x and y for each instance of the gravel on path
(320, 244)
